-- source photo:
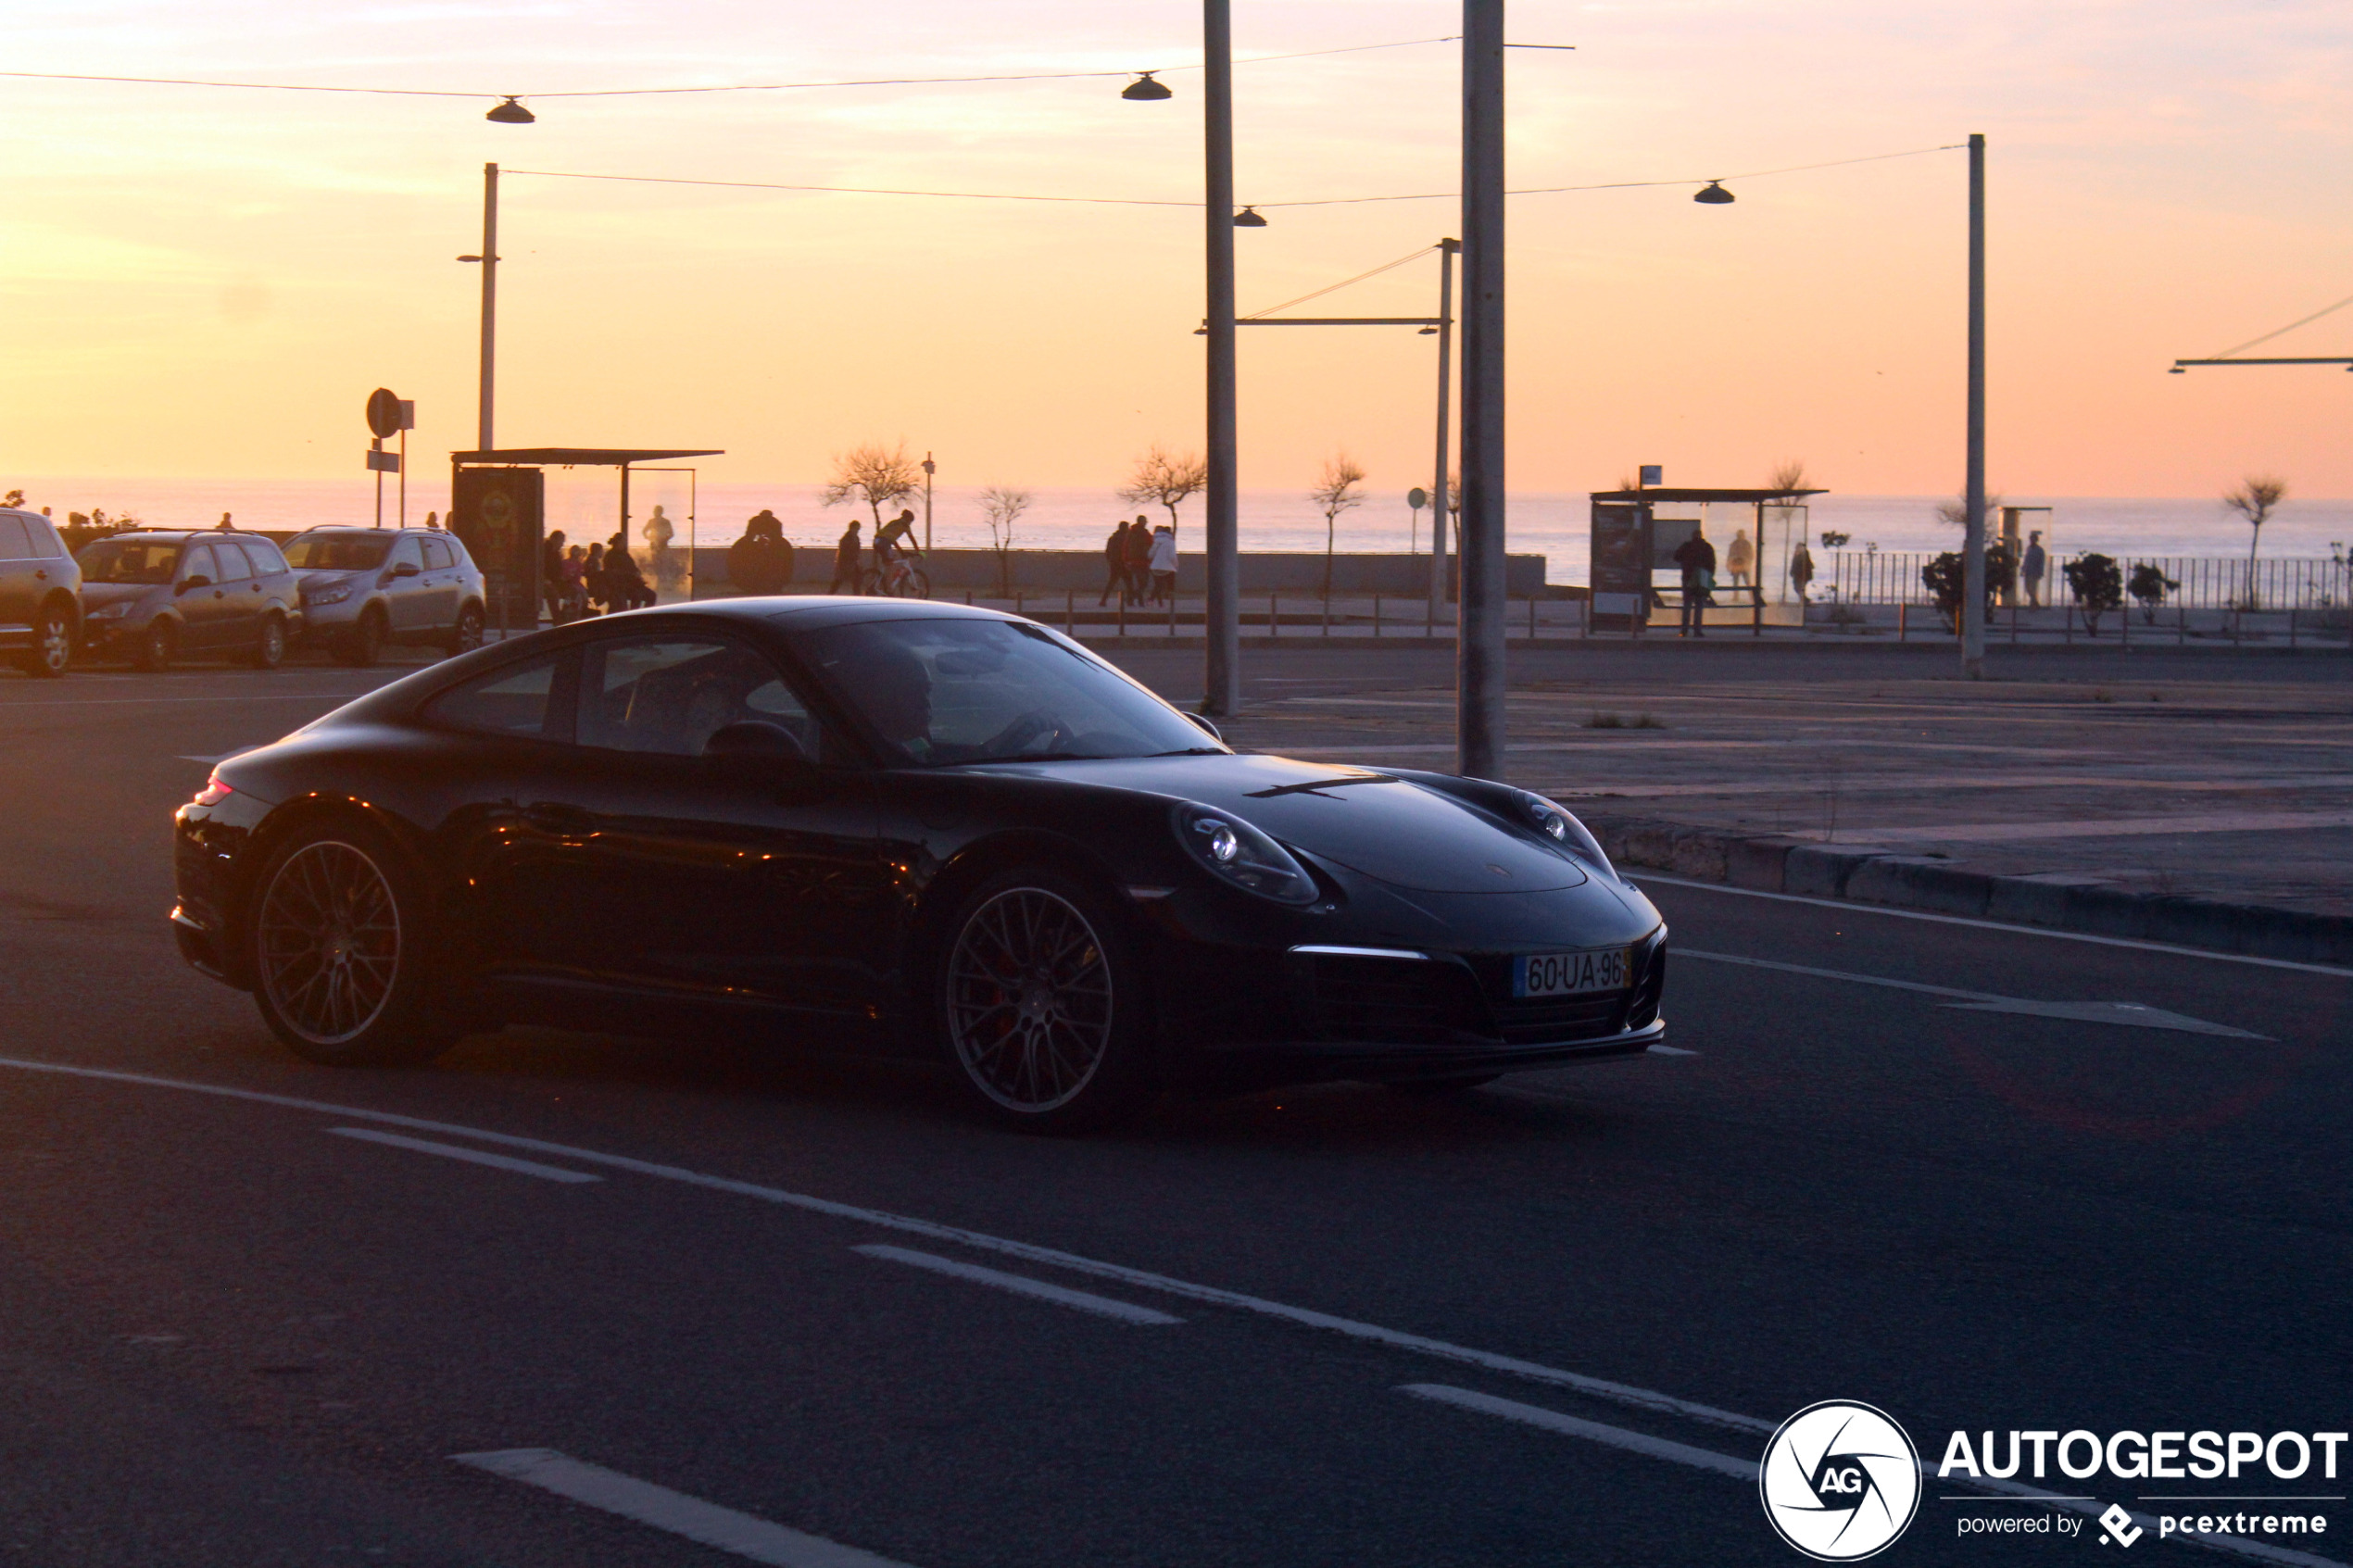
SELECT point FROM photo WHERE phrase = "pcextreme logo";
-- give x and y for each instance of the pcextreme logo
(1840, 1481)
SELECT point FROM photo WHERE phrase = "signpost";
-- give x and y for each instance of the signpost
(389, 415)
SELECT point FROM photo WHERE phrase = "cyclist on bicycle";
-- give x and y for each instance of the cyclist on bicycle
(893, 543)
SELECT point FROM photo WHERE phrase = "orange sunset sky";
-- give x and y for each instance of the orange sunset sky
(207, 282)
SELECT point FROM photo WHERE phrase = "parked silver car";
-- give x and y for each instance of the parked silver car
(154, 596)
(40, 593)
(363, 588)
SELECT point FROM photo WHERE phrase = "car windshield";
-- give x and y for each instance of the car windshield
(945, 691)
(337, 552)
(129, 560)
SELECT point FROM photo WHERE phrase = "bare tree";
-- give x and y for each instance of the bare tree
(875, 474)
(2258, 497)
(1955, 511)
(1788, 477)
(1166, 480)
(1000, 507)
(1336, 493)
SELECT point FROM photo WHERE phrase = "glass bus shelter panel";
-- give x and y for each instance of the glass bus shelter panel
(1783, 529)
(662, 531)
(2016, 528)
(1672, 522)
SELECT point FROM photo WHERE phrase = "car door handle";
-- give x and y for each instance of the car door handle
(40, 576)
(220, 593)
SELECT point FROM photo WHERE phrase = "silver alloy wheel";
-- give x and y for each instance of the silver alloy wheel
(273, 643)
(1030, 1000)
(328, 942)
(55, 648)
(469, 634)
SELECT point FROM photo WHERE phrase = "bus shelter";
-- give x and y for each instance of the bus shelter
(1762, 559)
(499, 507)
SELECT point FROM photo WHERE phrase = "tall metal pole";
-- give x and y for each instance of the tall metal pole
(489, 301)
(1973, 496)
(1221, 619)
(1478, 647)
(1446, 249)
(929, 468)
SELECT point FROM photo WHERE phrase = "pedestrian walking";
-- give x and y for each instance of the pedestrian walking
(1163, 566)
(575, 584)
(1114, 566)
(1697, 557)
(551, 576)
(847, 554)
(592, 575)
(2030, 571)
(1800, 569)
(1140, 559)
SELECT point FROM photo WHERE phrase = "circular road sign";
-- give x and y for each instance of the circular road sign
(383, 413)
(1417, 497)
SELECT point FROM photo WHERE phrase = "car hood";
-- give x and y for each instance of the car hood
(1388, 828)
(96, 596)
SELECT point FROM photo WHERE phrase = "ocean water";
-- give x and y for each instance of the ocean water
(584, 503)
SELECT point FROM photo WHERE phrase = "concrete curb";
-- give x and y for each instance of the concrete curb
(1911, 881)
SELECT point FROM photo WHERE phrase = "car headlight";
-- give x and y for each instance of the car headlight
(334, 596)
(1238, 853)
(1561, 828)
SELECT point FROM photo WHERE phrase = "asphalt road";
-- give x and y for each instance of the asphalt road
(235, 1332)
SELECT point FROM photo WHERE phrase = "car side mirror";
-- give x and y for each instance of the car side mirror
(1205, 724)
(190, 584)
(406, 569)
(756, 737)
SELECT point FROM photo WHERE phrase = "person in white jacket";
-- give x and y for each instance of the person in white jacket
(1163, 565)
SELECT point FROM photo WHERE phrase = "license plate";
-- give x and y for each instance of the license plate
(1572, 974)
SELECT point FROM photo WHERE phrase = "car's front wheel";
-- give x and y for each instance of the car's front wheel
(158, 646)
(339, 927)
(466, 636)
(269, 650)
(364, 643)
(52, 650)
(1042, 1007)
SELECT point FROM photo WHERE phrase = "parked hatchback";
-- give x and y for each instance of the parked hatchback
(363, 588)
(155, 597)
(40, 593)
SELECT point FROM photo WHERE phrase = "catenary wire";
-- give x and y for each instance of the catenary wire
(735, 87)
(2283, 332)
(1619, 184)
(1334, 288)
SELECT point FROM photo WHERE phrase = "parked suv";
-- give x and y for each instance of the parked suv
(365, 587)
(155, 595)
(40, 593)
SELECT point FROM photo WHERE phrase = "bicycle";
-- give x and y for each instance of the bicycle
(903, 579)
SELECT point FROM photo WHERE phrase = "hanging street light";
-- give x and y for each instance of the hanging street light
(1715, 194)
(1145, 89)
(512, 113)
(1247, 218)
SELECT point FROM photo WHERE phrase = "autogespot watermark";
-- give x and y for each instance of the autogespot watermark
(1841, 1481)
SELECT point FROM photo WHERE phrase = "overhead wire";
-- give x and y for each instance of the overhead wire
(730, 87)
(1619, 184)
(1334, 288)
(2283, 332)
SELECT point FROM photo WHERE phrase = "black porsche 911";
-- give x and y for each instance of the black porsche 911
(897, 827)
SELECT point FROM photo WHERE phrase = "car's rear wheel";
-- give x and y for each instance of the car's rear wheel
(338, 933)
(158, 646)
(1042, 1007)
(270, 651)
(52, 651)
(364, 643)
(466, 636)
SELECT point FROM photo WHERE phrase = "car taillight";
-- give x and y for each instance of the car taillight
(214, 792)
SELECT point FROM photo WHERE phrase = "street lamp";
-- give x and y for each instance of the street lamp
(1247, 218)
(511, 113)
(1142, 90)
(1715, 194)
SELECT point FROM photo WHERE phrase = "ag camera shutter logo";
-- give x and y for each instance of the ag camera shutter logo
(1841, 1481)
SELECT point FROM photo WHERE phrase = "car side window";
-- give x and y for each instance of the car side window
(264, 554)
(438, 556)
(16, 540)
(669, 694)
(247, 566)
(516, 700)
(405, 550)
(198, 562)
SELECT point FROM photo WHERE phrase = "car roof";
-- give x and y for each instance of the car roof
(185, 535)
(364, 528)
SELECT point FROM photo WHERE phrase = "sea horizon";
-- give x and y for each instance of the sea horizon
(584, 503)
